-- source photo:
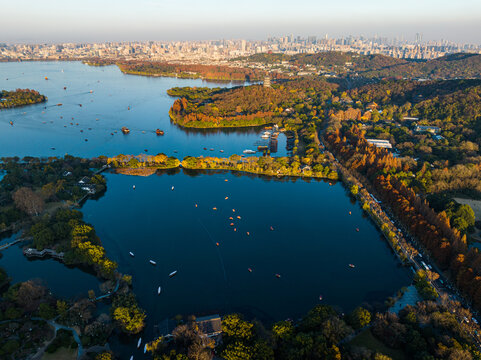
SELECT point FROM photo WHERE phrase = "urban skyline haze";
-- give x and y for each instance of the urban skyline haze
(49, 21)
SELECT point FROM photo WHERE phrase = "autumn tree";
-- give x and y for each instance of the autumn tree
(26, 200)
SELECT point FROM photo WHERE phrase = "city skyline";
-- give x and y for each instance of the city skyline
(52, 21)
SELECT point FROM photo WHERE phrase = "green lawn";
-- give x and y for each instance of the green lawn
(366, 339)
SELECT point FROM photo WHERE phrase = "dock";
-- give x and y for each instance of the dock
(45, 252)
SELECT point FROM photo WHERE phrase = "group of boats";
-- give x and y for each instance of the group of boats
(172, 274)
(125, 130)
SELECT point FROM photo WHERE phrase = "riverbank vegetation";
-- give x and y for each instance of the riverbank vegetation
(126, 312)
(265, 165)
(20, 97)
(130, 164)
(66, 232)
(426, 331)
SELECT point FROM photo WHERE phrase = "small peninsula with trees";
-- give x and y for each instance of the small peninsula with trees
(20, 97)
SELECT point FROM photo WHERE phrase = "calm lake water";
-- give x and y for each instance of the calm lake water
(38, 128)
(58, 277)
(313, 240)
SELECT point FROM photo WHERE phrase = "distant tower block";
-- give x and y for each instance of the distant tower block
(267, 82)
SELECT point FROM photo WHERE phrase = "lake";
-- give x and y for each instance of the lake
(312, 242)
(38, 130)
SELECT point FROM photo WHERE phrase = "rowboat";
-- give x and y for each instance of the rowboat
(173, 273)
(159, 290)
(131, 253)
(152, 262)
(139, 342)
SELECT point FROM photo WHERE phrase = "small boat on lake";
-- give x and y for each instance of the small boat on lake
(214, 208)
(159, 290)
(133, 187)
(278, 276)
(159, 132)
(125, 130)
(145, 348)
(217, 244)
(248, 233)
(352, 266)
(221, 151)
(131, 253)
(211, 149)
(248, 151)
(357, 229)
(320, 297)
(271, 228)
(172, 188)
(249, 269)
(132, 357)
(173, 273)
(226, 198)
(139, 342)
(152, 262)
(11, 122)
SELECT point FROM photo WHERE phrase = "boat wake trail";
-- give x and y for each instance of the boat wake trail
(218, 251)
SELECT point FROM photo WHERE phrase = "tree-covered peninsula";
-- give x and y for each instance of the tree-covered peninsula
(20, 97)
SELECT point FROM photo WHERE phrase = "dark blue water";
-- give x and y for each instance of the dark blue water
(313, 241)
(63, 281)
(37, 129)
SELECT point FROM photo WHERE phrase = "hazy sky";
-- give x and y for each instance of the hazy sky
(104, 20)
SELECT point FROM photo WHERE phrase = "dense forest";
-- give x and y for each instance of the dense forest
(430, 330)
(379, 66)
(20, 97)
(244, 106)
(194, 71)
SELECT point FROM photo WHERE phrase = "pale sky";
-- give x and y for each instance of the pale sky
(121, 20)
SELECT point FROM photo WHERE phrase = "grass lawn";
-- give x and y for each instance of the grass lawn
(61, 354)
(366, 339)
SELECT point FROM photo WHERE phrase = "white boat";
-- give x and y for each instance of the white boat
(248, 151)
(131, 253)
(159, 290)
(172, 188)
(152, 262)
(173, 273)
(133, 187)
(264, 136)
(139, 342)
(132, 357)
(145, 348)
